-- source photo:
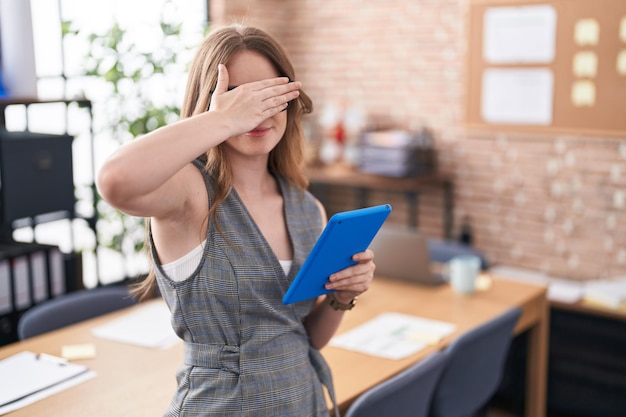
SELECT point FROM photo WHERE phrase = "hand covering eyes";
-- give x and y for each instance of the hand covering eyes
(233, 87)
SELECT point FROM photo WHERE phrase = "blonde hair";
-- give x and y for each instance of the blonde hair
(287, 158)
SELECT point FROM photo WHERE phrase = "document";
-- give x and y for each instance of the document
(27, 377)
(565, 291)
(393, 335)
(147, 326)
(517, 96)
(608, 293)
(519, 34)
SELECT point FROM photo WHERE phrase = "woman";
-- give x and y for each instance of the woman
(230, 224)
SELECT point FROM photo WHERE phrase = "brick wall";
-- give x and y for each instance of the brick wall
(546, 202)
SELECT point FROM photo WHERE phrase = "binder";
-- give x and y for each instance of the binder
(6, 304)
(30, 273)
(39, 273)
(22, 283)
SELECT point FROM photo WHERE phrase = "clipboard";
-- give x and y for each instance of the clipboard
(26, 377)
(346, 233)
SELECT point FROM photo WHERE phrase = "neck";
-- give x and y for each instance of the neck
(252, 179)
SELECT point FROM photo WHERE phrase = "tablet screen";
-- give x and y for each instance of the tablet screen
(346, 234)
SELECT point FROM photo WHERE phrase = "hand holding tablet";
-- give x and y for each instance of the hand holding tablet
(346, 234)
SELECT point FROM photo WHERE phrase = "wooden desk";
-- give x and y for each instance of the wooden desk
(340, 176)
(355, 373)
(135, 381)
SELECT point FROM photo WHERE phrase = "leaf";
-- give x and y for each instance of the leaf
(137, 127)
(66, 28)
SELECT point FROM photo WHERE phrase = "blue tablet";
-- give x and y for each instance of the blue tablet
(346, 234)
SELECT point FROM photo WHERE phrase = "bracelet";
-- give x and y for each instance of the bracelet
(338, 305)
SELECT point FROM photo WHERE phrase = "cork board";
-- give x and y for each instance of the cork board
(575, 69)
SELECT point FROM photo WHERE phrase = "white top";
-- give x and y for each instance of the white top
(182, 268)
(286, 266)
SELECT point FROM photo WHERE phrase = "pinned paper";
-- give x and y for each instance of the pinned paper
(587, 32)
(520, 34)
(621, 62)
(622, 29)
(583, 93)
(517, 96)
(585, 64)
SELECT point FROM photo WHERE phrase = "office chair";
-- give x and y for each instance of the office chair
(406, 394)
(71, 308)
(474, 369)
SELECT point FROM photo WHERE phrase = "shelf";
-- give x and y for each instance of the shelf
(343, 176)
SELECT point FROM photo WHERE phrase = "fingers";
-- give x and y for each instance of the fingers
(276, 93)
(249, 104)
(272, 83)
(222, 79)
(356, 278)
(272, 94)
(364, 256)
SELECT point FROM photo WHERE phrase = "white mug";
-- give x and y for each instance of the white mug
(463, 271)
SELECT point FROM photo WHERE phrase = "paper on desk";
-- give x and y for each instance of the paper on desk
(148, 326)
(608, 293)
(393, 335)
(25, 379)
(565, 291)
(518, 274)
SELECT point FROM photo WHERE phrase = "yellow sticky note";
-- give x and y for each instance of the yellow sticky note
(585, 64)
(583, 94)
(622, 29)
(75, 352)
(621, 62)
(587, 32)
(483, 282)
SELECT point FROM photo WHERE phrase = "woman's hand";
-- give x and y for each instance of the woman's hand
(248, 105)
(354, 280)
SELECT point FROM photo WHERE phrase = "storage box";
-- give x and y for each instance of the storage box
(396, 154)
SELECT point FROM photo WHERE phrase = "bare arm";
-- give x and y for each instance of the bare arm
(147, 177)
(323, 321)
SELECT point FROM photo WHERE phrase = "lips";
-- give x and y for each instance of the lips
(257, 132)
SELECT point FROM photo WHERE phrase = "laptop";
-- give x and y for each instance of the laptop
(402, 253)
